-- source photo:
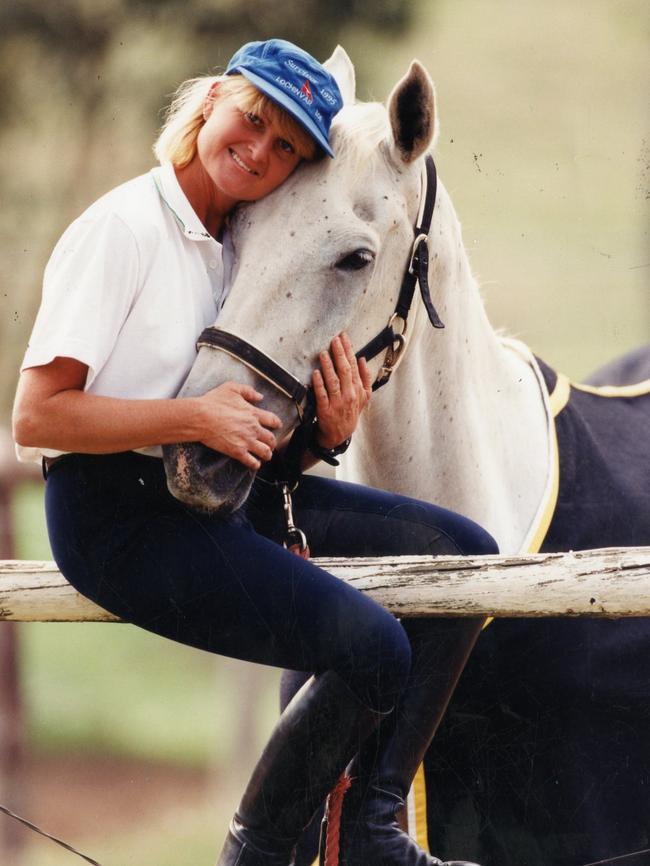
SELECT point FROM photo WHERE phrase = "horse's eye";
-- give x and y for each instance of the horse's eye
(356, 261)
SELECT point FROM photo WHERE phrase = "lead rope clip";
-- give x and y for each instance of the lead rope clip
(294, 536)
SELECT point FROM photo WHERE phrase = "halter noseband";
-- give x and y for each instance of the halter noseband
(387, 339)
(261, 363)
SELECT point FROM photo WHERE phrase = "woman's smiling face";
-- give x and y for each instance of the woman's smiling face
(242, 153)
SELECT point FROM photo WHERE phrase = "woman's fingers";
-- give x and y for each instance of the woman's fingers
(340, 368)
(259, 441)
(268, 419)
(247, 391)
(248, 460)
(342, 375)
(350, 357)
(343, 365)
(255, 448)
(267, 436)
(320, 391)
(261, 449)
(329, 374)
(366, 378)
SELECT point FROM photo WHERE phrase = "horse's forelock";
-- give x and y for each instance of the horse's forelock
(358, 130)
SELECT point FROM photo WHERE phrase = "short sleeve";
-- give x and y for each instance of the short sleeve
(89, 287)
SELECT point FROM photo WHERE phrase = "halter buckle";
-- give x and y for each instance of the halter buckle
(391, 321)
(394, 353)
(414, 251)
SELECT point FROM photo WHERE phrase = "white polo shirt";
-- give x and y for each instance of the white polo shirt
(128, 289)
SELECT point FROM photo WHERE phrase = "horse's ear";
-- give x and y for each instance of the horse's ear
(340, 66)
(411, 108)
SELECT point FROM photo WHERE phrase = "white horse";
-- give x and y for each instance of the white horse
(480, 447)
(466, 420)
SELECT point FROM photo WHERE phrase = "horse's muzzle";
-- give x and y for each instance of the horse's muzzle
(206, 479)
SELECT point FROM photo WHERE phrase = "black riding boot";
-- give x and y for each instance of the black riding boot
(382, 774)
(316, 736)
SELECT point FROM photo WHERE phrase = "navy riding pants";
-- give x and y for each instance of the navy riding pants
(226, 584)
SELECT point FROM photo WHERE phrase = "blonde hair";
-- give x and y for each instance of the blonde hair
(176, 142)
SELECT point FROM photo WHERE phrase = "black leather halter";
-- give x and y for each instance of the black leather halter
(387, 339)
(261, 363)
(416, 272)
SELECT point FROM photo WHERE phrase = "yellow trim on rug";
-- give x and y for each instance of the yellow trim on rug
(533, 538)
(416, 810)
(542, 528)
(560, 396)
(421, 833)
(637, 390)
(557, 401)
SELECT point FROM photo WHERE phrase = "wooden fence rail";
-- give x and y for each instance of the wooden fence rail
(610, 582)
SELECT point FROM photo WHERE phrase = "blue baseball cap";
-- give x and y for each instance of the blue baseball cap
(295, 81)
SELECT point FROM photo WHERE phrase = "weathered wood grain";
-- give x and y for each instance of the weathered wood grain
(612, 582)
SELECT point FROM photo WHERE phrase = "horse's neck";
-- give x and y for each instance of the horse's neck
(462, 423)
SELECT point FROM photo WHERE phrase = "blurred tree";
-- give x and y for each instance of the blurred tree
(82, 83)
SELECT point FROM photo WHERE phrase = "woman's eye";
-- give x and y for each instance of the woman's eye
(253, 118)
(356, 261)
(286, 146)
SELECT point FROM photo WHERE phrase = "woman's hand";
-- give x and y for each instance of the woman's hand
(236, 426)
(342, 390)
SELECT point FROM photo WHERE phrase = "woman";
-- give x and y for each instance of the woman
(128, 288)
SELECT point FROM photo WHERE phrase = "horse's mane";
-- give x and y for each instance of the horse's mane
(358, 130)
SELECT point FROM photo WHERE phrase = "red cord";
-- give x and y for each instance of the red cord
(333, 817)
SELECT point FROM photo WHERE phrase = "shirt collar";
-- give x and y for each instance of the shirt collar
(171, 193)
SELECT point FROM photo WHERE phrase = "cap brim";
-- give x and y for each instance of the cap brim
(280, 98)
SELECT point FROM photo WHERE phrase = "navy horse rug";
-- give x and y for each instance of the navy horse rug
(543, 758)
